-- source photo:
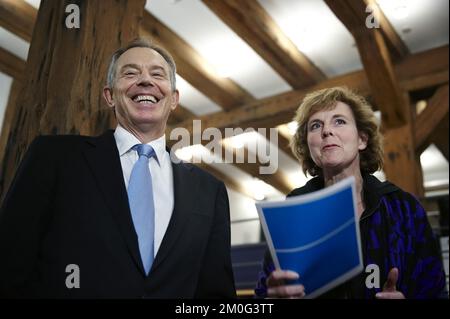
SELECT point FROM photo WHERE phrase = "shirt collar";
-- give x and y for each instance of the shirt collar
(125, 141)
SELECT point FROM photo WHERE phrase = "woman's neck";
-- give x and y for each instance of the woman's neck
(333, 178)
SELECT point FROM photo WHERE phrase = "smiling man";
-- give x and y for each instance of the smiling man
(112, 216)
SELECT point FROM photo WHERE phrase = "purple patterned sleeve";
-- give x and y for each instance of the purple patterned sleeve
(267, 269)
(427, 277)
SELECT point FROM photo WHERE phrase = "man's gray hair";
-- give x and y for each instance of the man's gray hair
(141, 43)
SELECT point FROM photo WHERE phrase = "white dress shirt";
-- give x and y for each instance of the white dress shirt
(162, 177)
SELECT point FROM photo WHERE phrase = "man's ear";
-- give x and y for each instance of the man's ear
(108, 96)
(175, 100)
(363, 140)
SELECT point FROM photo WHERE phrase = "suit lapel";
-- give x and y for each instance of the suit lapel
(103, 158)
(185, 186)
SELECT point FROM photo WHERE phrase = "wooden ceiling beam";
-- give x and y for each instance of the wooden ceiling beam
(424, 69)
(440, 137)
(283, 144)
(271, 111)
(180, 114)
(430, 118)
(11, 64)
(18, 17)
(376, 60)
(276, 179)
(230, 155)
(280, 109)
(397, 47)
(254, 25)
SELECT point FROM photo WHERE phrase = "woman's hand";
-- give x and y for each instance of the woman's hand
(277, 288)
(389, 288)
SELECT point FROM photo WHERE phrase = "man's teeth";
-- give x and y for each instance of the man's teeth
(145, 98)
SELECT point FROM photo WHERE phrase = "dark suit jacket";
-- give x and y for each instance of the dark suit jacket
(68, 205)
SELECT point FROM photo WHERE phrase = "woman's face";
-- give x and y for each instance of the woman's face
(333, 139)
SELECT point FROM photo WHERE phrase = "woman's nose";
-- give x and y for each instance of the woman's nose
(326, 132)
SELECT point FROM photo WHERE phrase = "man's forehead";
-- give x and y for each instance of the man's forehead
(142, 56)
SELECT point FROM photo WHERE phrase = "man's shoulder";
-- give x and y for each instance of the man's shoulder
(64, 140)
(61, 138)
(199, 172)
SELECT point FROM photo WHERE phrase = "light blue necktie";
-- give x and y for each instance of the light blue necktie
(140, 196)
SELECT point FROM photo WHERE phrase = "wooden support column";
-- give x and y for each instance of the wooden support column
(401, 161)
(66, 71)
(401, 165)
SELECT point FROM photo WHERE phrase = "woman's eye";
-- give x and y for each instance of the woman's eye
(340, 121)
(314, 126)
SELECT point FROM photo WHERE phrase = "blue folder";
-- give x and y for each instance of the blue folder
(316, 235)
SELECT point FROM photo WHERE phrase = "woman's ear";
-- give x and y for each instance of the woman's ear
(363, 141)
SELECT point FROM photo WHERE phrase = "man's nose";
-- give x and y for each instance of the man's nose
(145, 79)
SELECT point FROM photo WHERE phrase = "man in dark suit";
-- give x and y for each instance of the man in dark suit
(70, 223)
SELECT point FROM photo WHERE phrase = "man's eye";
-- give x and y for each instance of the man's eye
(159, 75)
(130, 73)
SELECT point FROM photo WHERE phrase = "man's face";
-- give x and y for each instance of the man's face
(141, 93)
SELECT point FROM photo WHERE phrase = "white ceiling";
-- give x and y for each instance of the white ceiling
(317, 33)
(311, 26)
(422, 24)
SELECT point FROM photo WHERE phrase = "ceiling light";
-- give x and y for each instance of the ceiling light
(184, 154)
(378, 116)
(34, 3)
(431, 157)
(241, 139)
(195, 153)
(237, 142)
(420, 106)
(258, 188)
(292, 126)
(401, 12)
(258, 196)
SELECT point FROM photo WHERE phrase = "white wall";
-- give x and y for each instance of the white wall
(243, 207)
(5, 87)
